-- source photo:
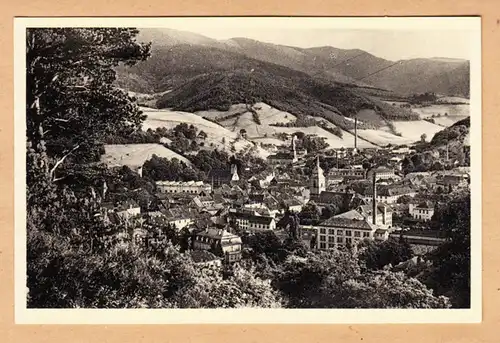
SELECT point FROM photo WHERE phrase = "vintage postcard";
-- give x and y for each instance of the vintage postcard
(248, 170)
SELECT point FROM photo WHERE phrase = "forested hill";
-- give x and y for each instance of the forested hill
(294, 92)
(201, 78)
(353, 66)
(456, 134)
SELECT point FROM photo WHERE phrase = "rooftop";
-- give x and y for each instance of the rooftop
(353, 214)
(359, 224)
(253, 218)
(388, 190)
(219, 234)
(181, 183)
(281, 156)
(200, 256)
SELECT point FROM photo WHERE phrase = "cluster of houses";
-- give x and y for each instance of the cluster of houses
(218, 210)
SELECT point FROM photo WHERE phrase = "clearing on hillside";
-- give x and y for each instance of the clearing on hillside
(413, 130)
(215, 133)
(383, 137)
(410, 131)
(442, 109)
(134, 155)
(238, 117)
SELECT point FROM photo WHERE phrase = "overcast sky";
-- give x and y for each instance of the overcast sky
(389, 44)
(392, 38)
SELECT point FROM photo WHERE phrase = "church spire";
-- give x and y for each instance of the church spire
(318, 181)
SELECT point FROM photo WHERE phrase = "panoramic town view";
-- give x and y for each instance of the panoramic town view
(171, 169)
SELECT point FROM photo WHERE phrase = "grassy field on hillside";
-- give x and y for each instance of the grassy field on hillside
(134, 155)
(215, 133)
(265, 131)
(442, 109)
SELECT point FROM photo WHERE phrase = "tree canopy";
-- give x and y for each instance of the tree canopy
(71, 101)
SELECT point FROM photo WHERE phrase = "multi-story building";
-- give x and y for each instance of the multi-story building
(351, 227)
(339, 231)
(454, 180)
(422, 211)
(122, 210)
(219, 242)
(388, 194)
(247, 220)
(347, 172)
(402, 150)
(383, 173)
(205, 258)
(177, 217)
(281, 158)
(191, 187)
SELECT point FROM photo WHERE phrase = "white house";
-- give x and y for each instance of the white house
(423, 211)
(253, 222)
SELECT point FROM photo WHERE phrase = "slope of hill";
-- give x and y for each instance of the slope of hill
(450, 144)
(283, 88)
(306, 60)
(440, 75)
(165, 37)
(238, 117)
(134, 155)
(457, 134)
(425, 75)
(215, 133)
(170, 66)
(355, 64)
(226, 81)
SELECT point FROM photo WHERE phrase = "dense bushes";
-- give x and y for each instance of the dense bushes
(423, 98)
(457, 131)
(451, 273)
(377, 255)
(334, 279)
(159, 168)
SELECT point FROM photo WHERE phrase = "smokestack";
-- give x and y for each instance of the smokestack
(356, 134)
(374, 200)
(294, 148)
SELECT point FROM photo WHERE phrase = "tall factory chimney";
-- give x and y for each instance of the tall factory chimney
(356, 134)
(374, 199)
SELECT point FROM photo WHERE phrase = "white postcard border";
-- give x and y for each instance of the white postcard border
(23, 315)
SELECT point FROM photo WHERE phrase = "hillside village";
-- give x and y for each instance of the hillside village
(197, 173)
(339, 196)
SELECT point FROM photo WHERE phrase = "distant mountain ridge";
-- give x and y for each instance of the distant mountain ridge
(446, 76)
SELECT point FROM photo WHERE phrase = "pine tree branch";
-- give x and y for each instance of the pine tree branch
(58, 163)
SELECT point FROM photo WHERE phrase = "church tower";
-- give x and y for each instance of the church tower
(318, 182)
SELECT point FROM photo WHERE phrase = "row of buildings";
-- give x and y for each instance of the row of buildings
(216, 210)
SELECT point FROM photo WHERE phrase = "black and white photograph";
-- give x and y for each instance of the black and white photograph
(260, 166)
